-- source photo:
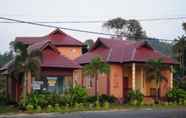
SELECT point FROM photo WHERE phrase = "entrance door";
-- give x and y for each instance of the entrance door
(60, 84)
(125, 86)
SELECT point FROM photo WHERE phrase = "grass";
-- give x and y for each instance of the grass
(12, 109)
(8, 109)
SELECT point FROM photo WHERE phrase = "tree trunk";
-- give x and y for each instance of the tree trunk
(24, 87)
(96, 87)
(157, 93)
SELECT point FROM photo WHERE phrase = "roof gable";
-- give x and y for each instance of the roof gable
(58, 38)
(122, 51)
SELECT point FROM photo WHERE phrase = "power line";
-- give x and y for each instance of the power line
(64, 28)
(102, 21)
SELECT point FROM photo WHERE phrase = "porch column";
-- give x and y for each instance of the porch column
(142, 80)
(171, 77)
(133, 76)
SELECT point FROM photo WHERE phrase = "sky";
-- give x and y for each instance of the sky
(86, 10)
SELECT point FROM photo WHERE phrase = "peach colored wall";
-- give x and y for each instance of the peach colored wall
(70, 52)
(102, 84)
(77, 77)
(116, 80)
(165, 85)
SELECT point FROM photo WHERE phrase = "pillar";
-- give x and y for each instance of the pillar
(133, 76)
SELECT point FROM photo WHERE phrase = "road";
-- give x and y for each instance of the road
(145, 113)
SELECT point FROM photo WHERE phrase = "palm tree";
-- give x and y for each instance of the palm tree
(25, 63)
(94, 68)
(180, 49)
(154, 73)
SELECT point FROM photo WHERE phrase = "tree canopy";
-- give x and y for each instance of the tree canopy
(130, 28)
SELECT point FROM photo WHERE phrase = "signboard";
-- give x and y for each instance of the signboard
(36, 85)
(51, 82)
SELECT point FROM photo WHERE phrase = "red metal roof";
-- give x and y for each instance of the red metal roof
(122, 51)
(50, 58)
(58, 38)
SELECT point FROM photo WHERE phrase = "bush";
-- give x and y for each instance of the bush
(135, 97)
(102, 99)
(3, 100)
(29, 107)
(176, 95)
(76, 94)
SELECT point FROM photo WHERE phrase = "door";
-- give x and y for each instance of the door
(125, 86)
(60, 84)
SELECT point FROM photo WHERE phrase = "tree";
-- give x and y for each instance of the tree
(26, 64)
(184, 26)
(180, 49)
(88, 45)
(94, 68)
(154, 73)
(129, 28)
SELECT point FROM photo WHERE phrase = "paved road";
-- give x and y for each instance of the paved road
(145, 113)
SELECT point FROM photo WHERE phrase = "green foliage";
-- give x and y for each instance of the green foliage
(106, 105)
(43, 99)
(96, 66)
(3, 100)
(75, 94)
(102, 99)
(176, 95)
(154, 73)
(50, 108)
(6, 57)
(98, 106)
(130, 28)
(135, 97)
(29, 107)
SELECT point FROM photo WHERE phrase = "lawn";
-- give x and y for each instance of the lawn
(8, 109)
(12, 109)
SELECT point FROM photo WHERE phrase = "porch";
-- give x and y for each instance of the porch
(136, 77)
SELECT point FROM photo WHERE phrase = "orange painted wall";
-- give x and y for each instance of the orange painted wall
(165, 85)
(116, 80)
(70, 52)
(102, 84)
(77, 77)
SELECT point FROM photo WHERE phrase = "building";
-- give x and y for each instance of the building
(62, 62)
(58, 51)
(128, 68)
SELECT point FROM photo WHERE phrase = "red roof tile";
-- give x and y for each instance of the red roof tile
(122, 51)
(57, 37)
(55, 60)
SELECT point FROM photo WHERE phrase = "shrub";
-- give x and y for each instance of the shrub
(3, 100)
(29, 107)
(135, 97)
(38, 109)
(176, 95)
(50, 108)
(106, 105)
(102, 99)
(75, 94)
(98, 106)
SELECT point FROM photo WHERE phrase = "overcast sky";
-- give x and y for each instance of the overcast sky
(82, 10)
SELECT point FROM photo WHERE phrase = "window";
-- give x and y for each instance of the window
(55, 84)
(89, 81)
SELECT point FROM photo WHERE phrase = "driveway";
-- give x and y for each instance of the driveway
(145, 113)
